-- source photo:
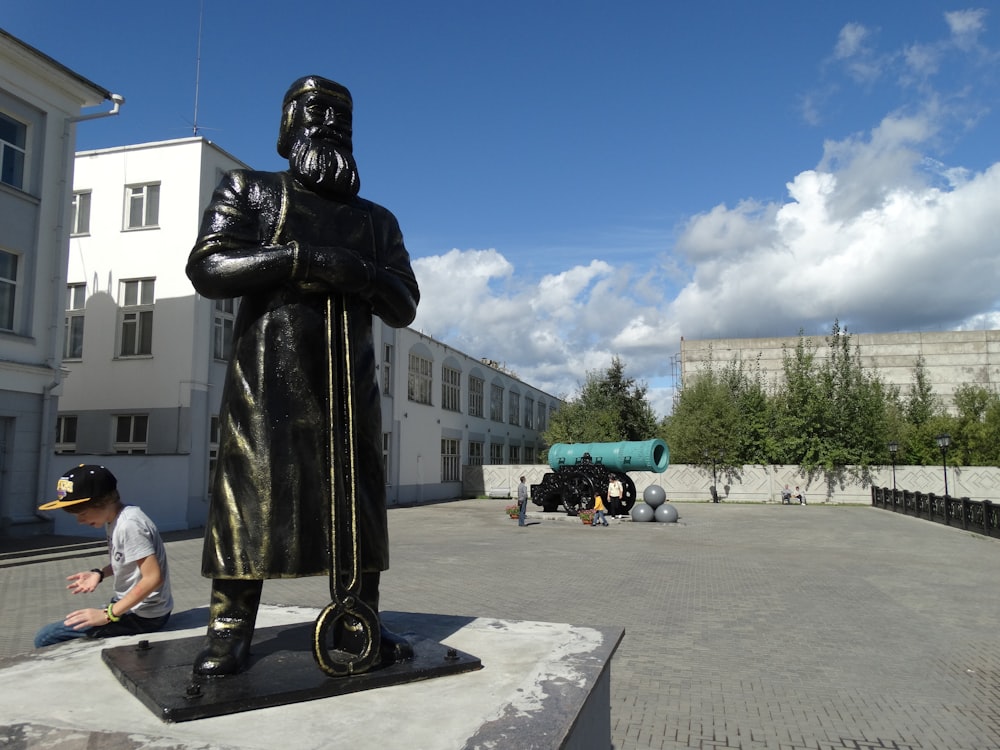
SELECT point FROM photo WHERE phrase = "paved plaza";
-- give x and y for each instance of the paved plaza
(746, 626)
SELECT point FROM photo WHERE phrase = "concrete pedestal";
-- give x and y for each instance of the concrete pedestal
(542, 685)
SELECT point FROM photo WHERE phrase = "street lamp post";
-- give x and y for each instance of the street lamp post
(893, 447)
(943, 442)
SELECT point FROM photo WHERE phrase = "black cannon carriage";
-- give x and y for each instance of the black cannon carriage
(582, 470)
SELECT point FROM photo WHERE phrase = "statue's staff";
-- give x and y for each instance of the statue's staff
(346, 614)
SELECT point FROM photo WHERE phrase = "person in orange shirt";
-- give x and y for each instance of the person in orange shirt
(600, 515)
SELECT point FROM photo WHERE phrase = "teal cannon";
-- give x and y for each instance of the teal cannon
(582, 470)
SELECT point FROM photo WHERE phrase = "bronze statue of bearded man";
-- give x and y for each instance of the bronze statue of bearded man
(293, 246)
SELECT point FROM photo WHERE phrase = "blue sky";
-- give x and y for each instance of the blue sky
(579, 180)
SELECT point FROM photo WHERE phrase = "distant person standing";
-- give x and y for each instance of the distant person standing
(522, 503)
(615, 492)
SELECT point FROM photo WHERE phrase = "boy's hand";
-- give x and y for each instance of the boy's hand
(83, 583)
(86, 618)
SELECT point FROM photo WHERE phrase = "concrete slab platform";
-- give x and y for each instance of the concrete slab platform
(282, 670)
(543, 685)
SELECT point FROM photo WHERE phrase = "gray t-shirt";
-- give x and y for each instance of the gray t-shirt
(131, 537)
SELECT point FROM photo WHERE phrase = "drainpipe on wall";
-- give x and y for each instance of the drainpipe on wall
(54, 360)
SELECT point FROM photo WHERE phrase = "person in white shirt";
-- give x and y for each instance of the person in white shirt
(141, 601)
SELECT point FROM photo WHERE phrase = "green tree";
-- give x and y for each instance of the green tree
(921, 403)
(749, 435)
(832, 417)
(829, 416)
(991, 424)
(971, 435)
(702, 421)
(610, 407)
(799, 408)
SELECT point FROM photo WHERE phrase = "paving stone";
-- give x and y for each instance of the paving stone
(746, 626)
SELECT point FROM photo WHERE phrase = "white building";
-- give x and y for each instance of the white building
(40, 104)
(146, 356)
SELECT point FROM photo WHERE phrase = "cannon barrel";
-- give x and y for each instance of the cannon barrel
(639, 455)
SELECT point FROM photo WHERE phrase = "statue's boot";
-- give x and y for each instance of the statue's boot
(232, 615)
(394, 647)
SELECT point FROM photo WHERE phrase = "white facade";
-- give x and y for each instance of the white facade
(143, 383)
(146, 370)
(478, 415)
(40, 103)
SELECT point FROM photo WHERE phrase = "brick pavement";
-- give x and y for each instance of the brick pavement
(780, 627)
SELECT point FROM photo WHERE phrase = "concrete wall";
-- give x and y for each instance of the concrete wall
(951, 358)
(157, 484)
(756, 484)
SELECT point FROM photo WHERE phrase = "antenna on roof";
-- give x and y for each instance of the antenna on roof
(197, 69)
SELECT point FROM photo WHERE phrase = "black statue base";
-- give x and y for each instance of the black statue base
(282, 670)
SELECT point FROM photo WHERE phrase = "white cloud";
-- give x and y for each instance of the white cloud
(882, 233)
(965, 25)
(910, 254)
(851, 41)
(858, 56)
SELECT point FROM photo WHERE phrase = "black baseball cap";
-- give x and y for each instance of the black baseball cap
(80, 484)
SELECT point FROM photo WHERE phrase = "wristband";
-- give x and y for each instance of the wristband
(112, 617)
(99, 572)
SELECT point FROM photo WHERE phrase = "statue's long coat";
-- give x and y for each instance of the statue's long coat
(269, 515)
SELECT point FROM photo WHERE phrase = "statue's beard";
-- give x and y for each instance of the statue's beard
(324, 166)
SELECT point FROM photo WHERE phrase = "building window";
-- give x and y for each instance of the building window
(80, 223)
(475, 453)
(529, 413)
(213, 450)
(136, 314)
(529, 455)
(142, 206)
(541, 417)
(387, 369)
(8, 289)
(130, 433)
(76, 300)
(386, 443)
(222, 333)
(450, 460)
(66, 434)
(496, 453)
(13, 141)
(421, 380)
(496, 403)
(476, 396)
(514, 408)
(515, 454)
(451, 389)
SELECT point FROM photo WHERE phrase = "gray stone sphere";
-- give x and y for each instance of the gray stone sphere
(666, 513)
(654, 496)
(642, 512)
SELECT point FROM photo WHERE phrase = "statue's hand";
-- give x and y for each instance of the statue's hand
(339, 269)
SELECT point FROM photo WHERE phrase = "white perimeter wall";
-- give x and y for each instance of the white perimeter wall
(758, 484)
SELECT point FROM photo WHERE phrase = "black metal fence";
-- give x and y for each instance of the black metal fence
(980, 516)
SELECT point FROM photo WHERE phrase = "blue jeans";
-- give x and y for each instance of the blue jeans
(522, 513)
(600, 518)
(56, 632)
